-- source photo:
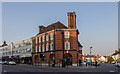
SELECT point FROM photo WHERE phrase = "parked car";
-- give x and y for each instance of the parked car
(117, 64)
(94, 64)
(12, 63)
(113, 62)
(5, 62)
(1, 62)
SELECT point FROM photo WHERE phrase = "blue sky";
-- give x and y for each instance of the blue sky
(97, 22)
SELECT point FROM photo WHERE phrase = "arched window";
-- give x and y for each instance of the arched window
(40, 48)
(36, 49)
(47, 37)
(43, 39)
(67, 45)
(51, 46)
(43, 48)
(39, 39)
(47, 47)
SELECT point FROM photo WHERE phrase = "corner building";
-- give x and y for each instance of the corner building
(56, 39)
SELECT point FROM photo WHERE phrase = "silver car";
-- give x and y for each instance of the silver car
(1, 62)
(12, 63)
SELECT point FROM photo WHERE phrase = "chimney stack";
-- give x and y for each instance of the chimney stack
(41, 28)
(4, 44)
(116, 51)
(71, 20)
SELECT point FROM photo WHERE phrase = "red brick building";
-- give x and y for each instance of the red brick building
(4, 44)
(54, 40)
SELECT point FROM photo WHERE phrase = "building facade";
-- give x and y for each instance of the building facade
(104, 59)
(93, 58)
(20, 52)
(5, 52)
(90, 58)
(57, 42)
(116, 55)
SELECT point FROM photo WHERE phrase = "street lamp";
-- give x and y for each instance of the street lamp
(90, 55)
(12, 50)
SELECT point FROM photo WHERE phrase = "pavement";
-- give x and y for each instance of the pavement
(30, 68)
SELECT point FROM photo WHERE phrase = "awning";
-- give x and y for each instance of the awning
(23, 56)
(17, 56)
(5, 57)
(11, 56)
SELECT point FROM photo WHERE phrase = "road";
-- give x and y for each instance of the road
(83, 68)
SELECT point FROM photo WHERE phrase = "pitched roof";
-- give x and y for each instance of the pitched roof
(79, 44)
(116, 53)
(58, 25)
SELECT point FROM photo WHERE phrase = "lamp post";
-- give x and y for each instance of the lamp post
(90, 55)
(12, 50)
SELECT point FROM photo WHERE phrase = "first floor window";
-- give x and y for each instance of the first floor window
(47, 47)
(51, 46)
(67, 45)
(36, 40)
(36, 48)
(40, 48)
(43, 48)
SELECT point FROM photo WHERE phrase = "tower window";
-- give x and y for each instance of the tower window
(66, 34)
(67, 45)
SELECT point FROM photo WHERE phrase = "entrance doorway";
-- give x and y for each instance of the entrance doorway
(51, 59)
(68, 59)
(36, 59)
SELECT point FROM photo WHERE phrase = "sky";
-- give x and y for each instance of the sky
(97, 22)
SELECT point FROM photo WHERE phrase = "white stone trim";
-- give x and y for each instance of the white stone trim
(45, 64)
(74, 64)
(53, 31)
